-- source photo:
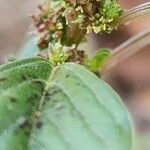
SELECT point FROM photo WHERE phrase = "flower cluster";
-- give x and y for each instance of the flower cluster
(68, 21)
(108, 12)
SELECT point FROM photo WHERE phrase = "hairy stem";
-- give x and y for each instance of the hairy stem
(133, 13)
(128, 48)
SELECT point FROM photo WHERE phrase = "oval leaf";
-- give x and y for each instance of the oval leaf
(62, 108)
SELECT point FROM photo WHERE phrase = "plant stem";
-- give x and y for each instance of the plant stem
(133, 13)
(128, 48)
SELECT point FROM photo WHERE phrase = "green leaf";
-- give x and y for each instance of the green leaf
(62, 108)
(96, 63)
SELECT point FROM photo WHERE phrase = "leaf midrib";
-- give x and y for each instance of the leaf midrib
(41, 103)
(48, 84)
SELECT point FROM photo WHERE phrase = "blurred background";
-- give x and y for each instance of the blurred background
(130, 78)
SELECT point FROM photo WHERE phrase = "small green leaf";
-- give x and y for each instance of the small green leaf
(62, 108)
(95, 63)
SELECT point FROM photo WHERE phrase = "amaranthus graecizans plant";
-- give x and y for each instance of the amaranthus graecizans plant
(52, 104)
(63, 24)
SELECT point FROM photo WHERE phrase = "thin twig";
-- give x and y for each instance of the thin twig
(128, 48)
(137, 11)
